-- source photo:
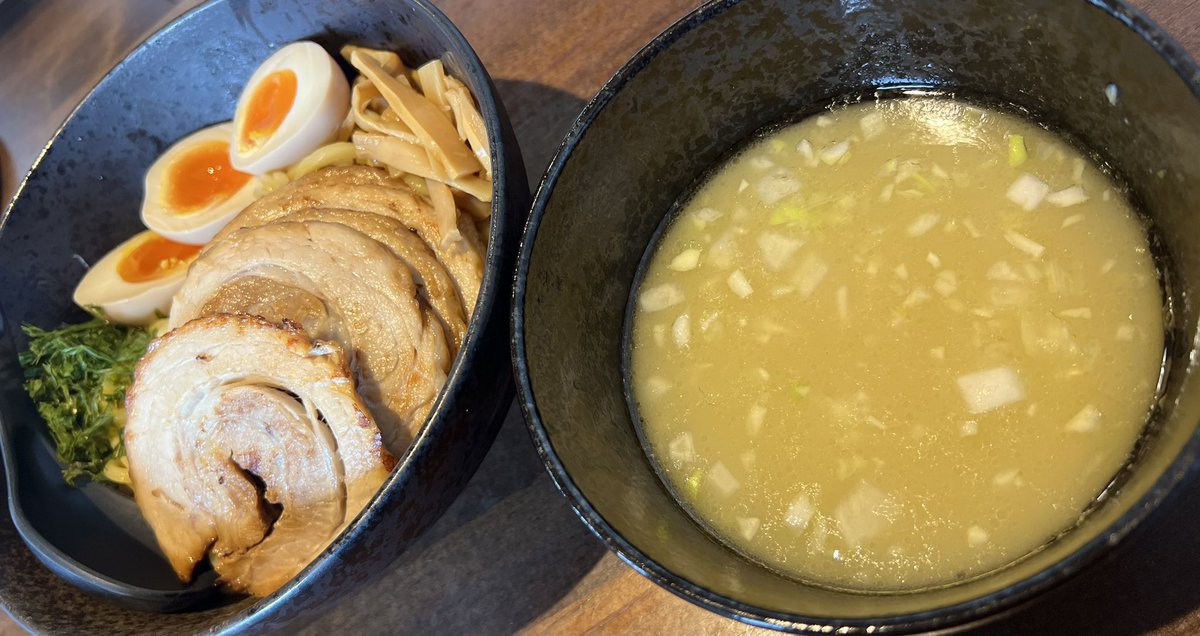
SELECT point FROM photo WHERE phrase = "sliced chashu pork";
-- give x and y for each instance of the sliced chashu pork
(437, 287)
(346, 175)
(461, 255)
(259, 296)
(340, 285)
(232, 418)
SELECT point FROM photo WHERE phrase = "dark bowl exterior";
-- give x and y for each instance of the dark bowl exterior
(731, 68)
(82, 197)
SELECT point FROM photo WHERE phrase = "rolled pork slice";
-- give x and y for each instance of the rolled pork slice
(248, 444)
(267, 297)
(461, 254)
(259, 296)
(437, 288)
(341, 285)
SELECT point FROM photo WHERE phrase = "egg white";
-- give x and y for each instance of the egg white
(124, 302)
(198, 227)
(322, 100)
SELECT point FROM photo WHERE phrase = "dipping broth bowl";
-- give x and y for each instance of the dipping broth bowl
(100, 570)
(1097, 71)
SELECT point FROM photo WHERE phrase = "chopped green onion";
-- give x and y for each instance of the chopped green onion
(923, 184)
(792, 213)
(692, 484)
(805, 216)
(800, 391)
(1016, 150)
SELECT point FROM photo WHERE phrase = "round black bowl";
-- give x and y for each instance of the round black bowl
(703, 87)
(83, 197)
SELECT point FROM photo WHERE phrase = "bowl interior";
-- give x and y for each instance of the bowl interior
(83, 197)
(705, 86)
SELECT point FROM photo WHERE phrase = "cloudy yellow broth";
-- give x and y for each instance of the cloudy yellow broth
(897, 345)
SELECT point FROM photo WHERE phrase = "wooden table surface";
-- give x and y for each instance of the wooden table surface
(510, 555)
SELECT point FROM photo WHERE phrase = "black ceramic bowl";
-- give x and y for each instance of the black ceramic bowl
(703, 87)
(83, 197)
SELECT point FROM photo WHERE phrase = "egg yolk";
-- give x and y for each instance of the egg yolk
(154, 258)
(202, 176)
(269, 105)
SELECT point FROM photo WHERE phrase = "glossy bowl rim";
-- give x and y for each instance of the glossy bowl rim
(490, 302)
(974, 611)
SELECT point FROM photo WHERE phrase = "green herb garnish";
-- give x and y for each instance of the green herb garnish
(77, 376)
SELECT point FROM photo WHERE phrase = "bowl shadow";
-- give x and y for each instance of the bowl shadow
(541, 115)
(504, 553)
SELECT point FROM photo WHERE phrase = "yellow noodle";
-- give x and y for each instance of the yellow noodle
(117, 471)
(341, 153)
(272, 181)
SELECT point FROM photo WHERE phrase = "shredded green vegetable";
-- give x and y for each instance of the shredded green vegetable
(1016, 150)
(77, 377)
(800, 391)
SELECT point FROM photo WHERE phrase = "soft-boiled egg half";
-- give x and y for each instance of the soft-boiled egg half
(135, 281)
(192, 191)
(293, 104)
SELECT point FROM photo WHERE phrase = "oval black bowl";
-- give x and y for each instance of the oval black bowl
(83, 197)
(703, 87)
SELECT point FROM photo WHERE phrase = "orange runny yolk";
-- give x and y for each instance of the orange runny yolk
(202, 176)
(269, 105)
(154, 258)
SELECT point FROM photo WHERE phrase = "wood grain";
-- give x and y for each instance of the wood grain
(510, 556)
